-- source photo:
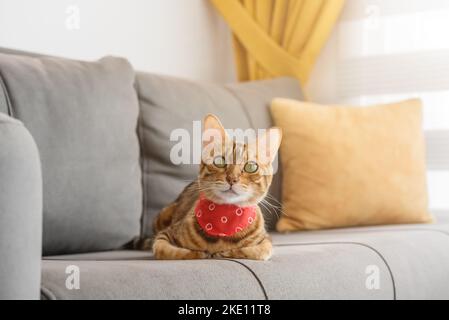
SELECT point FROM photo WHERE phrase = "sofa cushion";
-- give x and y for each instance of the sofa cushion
(441, 226)
(409, 252)
(116, 275)
(167, 103)
(411, 262)
(351, 166)
(83, 116)
(326, 271)
(307, 265)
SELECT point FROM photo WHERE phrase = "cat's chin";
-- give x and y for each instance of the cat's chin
(231, 197)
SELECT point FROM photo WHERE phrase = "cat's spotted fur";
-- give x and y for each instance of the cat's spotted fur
(177, 232)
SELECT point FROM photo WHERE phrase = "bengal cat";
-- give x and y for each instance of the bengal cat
(217, 215)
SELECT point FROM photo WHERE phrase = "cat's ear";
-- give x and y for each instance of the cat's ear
(214, 138)
(213, 131)
(268, 143)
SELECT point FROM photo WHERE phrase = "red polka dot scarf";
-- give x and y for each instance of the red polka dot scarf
(223, 220)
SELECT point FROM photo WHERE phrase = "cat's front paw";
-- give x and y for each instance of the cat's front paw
(198, 255)
(219, 255)
(265, 256)
(179, 254)
(262, 255)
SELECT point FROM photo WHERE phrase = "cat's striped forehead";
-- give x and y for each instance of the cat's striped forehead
(234, 152)
(237, 152)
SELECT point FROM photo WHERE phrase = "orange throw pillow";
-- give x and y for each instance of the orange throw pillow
(351, 166)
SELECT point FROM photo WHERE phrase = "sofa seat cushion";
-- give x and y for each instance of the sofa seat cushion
(135, 275)
(442, 226)
(416, 258)
(332, 271)
(411, 262)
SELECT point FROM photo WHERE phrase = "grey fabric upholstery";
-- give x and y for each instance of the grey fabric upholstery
(148, 279)
(4, 101)
(412, 263)
(83, 116)
(167, 103)
(20, 212)
(417, 255)
(301, 273)
(409, 252)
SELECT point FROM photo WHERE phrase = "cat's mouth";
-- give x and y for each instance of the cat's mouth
(230, 192)
(232, 195)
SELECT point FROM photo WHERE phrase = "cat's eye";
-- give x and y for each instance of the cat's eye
(251, 167)
(219, 162)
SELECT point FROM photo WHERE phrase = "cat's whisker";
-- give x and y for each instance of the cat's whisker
(275, 201)
(273, 206)
(271, 197)
(264, 205)
(268, 207)
(279, 208)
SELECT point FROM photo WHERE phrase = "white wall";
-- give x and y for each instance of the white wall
(185, 38)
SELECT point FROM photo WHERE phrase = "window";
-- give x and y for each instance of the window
(384, 51)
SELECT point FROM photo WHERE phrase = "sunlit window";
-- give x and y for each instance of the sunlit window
(390, 50)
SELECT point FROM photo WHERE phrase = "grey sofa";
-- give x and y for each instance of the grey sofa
(84, 167)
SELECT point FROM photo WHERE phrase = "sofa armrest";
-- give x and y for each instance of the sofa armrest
(20, 212)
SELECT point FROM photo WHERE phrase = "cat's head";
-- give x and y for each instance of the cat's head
(235, 171)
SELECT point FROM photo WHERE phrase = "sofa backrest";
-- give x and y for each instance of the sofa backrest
(83, 117)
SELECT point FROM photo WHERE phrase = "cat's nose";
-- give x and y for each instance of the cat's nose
(232, 179)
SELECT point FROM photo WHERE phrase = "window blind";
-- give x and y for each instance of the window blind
(392, 50)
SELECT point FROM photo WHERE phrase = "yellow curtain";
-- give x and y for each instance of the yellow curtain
(278, 37)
